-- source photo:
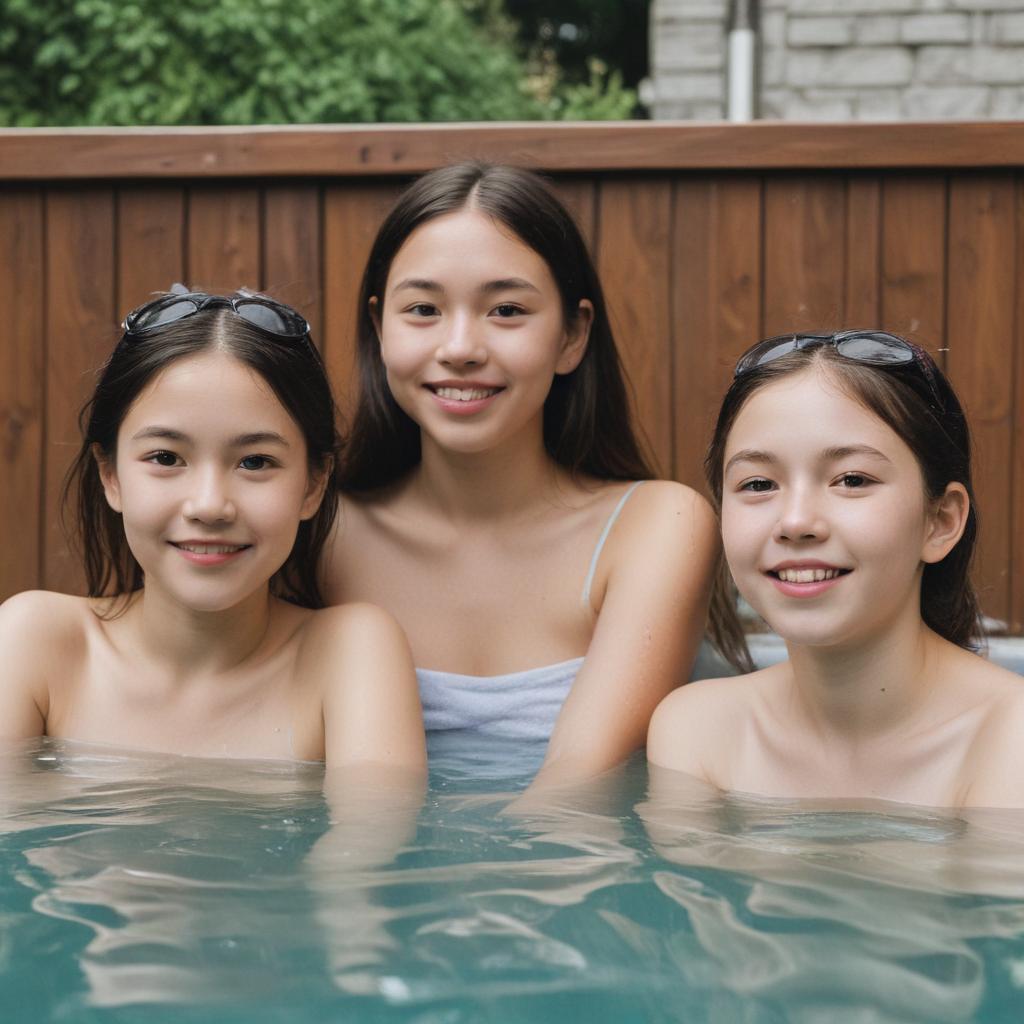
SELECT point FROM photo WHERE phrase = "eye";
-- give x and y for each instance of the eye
(254, 463)
(854, 480)
(163, 458)
(507, 310)
(757, 485)
(421, 309)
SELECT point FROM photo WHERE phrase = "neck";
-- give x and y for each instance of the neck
(501, 483)
(866, 688)
(185, 641)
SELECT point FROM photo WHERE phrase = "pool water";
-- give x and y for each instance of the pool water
(167, 890)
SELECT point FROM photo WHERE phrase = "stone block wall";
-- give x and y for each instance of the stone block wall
(846, 60)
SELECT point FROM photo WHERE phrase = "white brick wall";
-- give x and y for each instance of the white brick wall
(847, 59)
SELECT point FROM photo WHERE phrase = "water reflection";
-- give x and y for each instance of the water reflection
(131, 884)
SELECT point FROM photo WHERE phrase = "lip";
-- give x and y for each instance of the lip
(457, 406)
(209, 558)
(813, 588)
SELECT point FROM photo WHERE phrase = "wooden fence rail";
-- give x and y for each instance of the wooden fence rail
(707, 237)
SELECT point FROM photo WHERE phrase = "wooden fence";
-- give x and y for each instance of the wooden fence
(707, 237)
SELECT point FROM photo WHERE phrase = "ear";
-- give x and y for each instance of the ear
(108, 477)
(374, 310)
(576, 338)
(946, 523)
(315, 489)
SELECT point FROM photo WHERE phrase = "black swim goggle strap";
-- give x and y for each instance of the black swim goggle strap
(876, 348)
(267, 315)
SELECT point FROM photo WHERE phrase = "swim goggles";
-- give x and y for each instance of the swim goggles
(268, 315)
(876, 348)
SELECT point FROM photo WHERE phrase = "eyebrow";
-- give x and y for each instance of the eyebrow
(833, 454)
(502, 284)
(240, 441)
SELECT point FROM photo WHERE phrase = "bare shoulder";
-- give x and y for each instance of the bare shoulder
(350, 631)
(996, 759)
(43, 622)
(667, 522)
(691, 725)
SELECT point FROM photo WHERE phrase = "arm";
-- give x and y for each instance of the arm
(660, 559)
(26, 649)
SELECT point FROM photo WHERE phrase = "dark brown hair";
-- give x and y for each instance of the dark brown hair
(587, 424)
(933, 427)
(293, 370)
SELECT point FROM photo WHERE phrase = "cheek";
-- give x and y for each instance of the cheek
(743, 531)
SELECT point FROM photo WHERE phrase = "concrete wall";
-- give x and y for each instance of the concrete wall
(847, 60)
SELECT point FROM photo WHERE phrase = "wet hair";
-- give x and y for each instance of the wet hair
(295, 373)
(931, 424)
(587, 423)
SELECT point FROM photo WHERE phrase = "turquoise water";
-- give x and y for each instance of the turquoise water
(147, 888)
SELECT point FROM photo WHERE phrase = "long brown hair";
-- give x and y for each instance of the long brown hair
(587, 423)
(934, 428)
(296, 375)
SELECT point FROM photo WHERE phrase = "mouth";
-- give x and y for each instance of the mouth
(463, 393)
(807, 575)
(197, 548)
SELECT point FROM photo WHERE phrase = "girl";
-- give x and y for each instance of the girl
(206, 486)
(841, 465)
(492, 497)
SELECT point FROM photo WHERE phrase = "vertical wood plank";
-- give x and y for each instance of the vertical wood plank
(804, 253)
(352, 214)
(21, 388)
(81, 328)
(291, 250)
(716, 303)
(863, 252)
(982, 244)
(1017, 465)
(150, 242)
(579, 196)
(634, 260)
(223, 242)
(913, 259)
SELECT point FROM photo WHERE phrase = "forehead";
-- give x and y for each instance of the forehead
(209, 391)
(807, 412)
(466, 242)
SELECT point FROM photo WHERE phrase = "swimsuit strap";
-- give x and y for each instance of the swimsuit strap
(585, 599)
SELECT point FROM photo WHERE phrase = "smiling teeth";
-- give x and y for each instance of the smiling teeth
(212, 549)
(807, 575)
(465, 394)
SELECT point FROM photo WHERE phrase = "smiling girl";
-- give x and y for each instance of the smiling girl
(841, 464)
(205, 488)
(491, 483)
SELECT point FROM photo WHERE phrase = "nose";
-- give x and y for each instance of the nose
(209, 499)
(801, 517)
(462, 344)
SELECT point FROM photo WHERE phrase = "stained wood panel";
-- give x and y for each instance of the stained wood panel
(21, 387)
(716, 303)
(150, 243)
(579, 196)
(80, 332)
(1016, 489)
(913, 293)
(352, 216)
(804, 253)
(634, 261)
(862, 300)
(292, 250)
(223, 240)
(982, 300)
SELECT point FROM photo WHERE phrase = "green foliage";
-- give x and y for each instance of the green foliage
(166, 62)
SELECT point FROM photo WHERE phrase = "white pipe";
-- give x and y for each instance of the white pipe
(742, 46)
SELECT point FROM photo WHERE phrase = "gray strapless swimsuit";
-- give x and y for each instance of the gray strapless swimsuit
(517, 705)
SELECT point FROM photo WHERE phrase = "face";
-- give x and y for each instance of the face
(472, 333)
(212, 480)
(825, 518)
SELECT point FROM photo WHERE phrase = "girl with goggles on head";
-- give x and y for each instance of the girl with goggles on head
(205, 488)
(841, 468)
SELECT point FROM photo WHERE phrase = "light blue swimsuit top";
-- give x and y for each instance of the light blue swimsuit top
(518, 705)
